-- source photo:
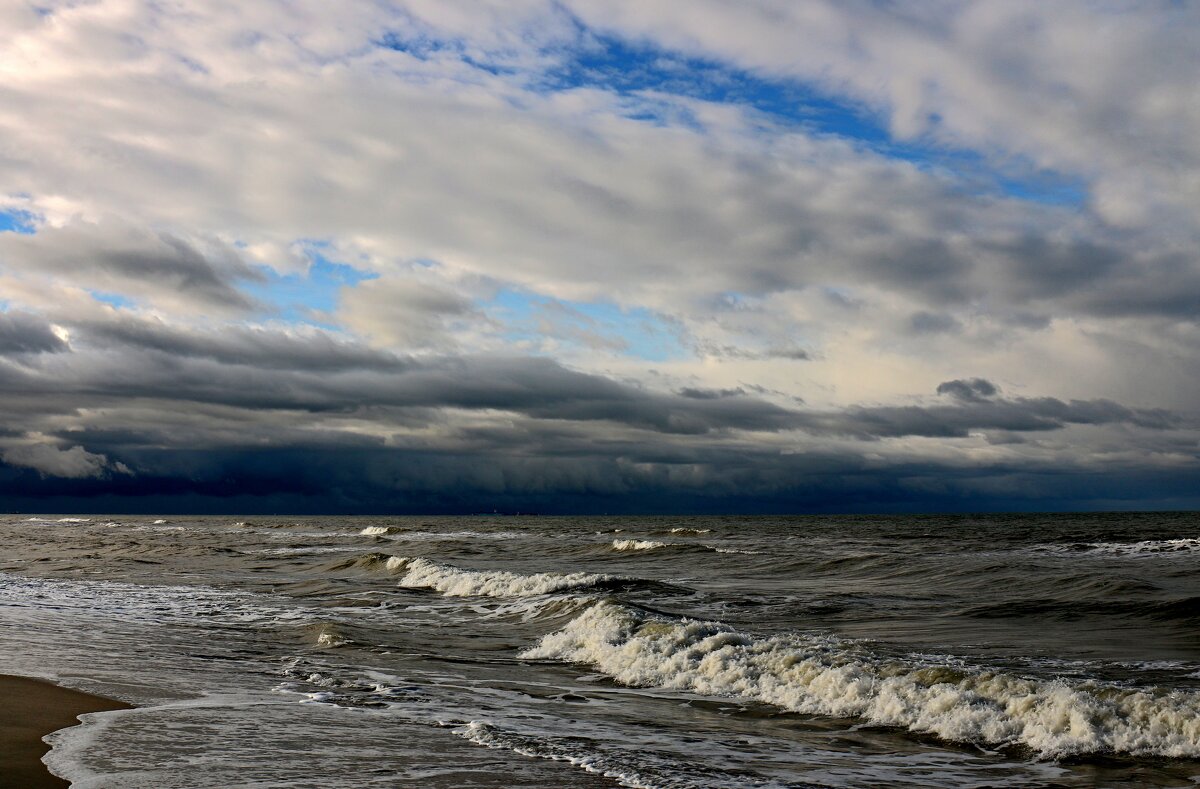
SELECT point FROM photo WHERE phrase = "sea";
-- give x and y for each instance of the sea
(675, 652)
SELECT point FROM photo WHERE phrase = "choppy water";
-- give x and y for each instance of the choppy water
(1022, 651)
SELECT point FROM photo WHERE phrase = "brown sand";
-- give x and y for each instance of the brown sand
(29, 710)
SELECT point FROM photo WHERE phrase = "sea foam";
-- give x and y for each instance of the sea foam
(454, 581)
(637, 545)
(825, 676)
(1142, 548)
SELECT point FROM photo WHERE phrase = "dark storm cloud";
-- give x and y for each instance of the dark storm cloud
(273, 480)
(312, 350)
(265, 371)
(21, 332)
(972, 389)
(251, 415)
(1022, 414)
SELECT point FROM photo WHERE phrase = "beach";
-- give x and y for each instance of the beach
(29, 710)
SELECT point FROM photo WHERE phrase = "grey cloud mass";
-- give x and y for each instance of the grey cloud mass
(576, 255)
(21, 332)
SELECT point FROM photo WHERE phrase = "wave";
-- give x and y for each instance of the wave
(652, 545)
(630, 767)
(1183, 545)
(821, 675)
(58, 520)
(420, 573)
(637, 545)
(379, 531)
(745, 552)
(1184, 609)
(399, 532)
(688, 530)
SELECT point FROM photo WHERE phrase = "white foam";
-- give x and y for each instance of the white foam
(824, 676)
(456, 582)
(1143, 548)
(688, 530)
(397, 533)
(331, 638)
(58, 520)
(490, 736)
(637, 545)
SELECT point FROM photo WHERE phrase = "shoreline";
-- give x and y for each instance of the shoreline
(30, 709)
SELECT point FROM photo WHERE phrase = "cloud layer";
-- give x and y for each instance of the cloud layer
(559, 256)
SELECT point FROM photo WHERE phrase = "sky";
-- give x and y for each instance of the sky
(570, 256)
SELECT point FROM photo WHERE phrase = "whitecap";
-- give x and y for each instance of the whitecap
(1183, 545)
(454, 581)
(637, 545)
(820, 675)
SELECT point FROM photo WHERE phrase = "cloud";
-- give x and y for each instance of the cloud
(423, 167)
(73, 463)
(22, 333)
(117, 258)
(407, 312)
(970, 390)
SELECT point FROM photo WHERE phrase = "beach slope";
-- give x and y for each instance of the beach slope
(29, 710)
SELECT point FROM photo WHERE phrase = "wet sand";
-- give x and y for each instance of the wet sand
(29, 710)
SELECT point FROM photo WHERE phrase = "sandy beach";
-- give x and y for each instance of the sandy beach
(29, 710)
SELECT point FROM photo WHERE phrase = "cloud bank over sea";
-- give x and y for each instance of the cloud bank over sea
(599, 256)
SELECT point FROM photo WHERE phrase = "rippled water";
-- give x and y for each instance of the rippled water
(1016, 651)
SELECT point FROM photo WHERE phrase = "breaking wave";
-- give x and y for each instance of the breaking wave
(637, 545)
(1143, 548)
(58, 520)
(420, 573)
(825, 676)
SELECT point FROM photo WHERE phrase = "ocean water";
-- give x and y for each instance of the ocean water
(934, 651)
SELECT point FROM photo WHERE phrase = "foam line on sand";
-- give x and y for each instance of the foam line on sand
(29, 710)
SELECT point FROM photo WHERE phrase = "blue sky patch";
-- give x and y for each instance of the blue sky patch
(299, 297)
(633, 69)
(112, 299)
(17, 221)
(637, 332)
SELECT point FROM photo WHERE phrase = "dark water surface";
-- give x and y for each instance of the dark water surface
(937, 651)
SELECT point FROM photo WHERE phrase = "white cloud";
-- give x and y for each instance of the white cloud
(73, 463)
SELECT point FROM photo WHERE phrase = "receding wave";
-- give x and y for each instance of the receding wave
(631, 767)
(824, 676)
(421, 573)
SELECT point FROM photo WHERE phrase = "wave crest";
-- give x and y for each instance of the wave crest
(637, 545)
(420, 573)
(822, 676)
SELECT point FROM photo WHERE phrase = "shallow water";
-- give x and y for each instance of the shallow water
(908, 651)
